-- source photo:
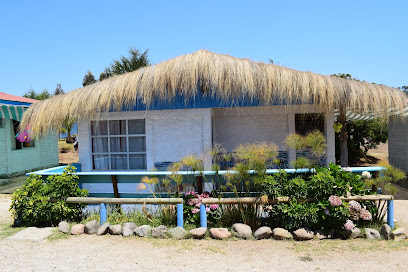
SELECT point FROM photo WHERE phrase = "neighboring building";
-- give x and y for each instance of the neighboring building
(17, 157)
(398, 142)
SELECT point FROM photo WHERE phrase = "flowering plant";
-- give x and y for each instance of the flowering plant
(193, 201)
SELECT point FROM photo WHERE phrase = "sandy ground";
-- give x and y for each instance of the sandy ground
(91, 253)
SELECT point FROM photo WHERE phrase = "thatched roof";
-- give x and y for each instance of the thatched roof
(214, 75)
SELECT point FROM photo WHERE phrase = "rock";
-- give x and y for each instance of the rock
(320, 234)
(281, 234)
(115, 229)
(198, 233)
(263, 233)
(356, 233)
(32, 234)
(372, 234)
(398, 234)
(178, 233)
(159, 232)
(303, 234)
(104, 229)
(220, 233)
(143, 231)
(92, 227)
(385, 231)
(344, 234)
(242, 230)
(78, 229)
(128, 229)
(64, 227)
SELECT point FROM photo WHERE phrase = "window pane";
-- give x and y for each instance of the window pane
(29, 144)
(117, 127)
(119, 161)
(99, 127)
(137, 126)
(100, 145)
(100, 162)
(137, 161)
(137, 144)
(118, 144)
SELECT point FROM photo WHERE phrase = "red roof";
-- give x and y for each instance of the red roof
(9, 97)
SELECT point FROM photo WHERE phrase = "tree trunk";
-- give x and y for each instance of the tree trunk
(343, 138)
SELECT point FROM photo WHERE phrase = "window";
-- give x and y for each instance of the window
(305, 123)
(1, 123)
(16, 144)
(118, 144)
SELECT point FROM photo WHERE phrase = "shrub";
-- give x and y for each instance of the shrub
(31, 204)
(191, 210)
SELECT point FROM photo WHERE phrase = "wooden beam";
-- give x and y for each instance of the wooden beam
(98, 200)
(343, 137)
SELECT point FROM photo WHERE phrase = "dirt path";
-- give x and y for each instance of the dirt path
(92, 253)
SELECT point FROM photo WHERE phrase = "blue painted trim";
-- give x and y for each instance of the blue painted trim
(390, 213)
(180, 215)
(103, 214)
(14, 103)
(203, 216)
(58, 171)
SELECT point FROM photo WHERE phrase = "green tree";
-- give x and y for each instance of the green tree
(135, 61)
(58, 90)
(44, 95)
(362, 134)
(30, 94)
(88, 79)
(68, 125)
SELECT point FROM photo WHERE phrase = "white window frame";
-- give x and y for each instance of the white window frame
(127, 136)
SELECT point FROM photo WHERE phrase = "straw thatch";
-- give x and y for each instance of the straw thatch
(215, 75)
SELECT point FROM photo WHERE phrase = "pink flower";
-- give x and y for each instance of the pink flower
(205, 195)
(354, 215)
(198, 205)
(355, 205)
(365, 215)
(190, 202)
(326, 211)
(349, 225)
(195, 211)
(335, 201)
(190, 193)
(214, 207)
(207, 209)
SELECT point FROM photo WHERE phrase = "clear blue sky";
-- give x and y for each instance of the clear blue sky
(43, 43)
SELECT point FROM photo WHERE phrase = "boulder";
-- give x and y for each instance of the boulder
(372, 234)
(303, 234)
(104, 229)
(198, 233)
(115, 229)
(320, 234)
(159, 232)
(64, 227)
(398, 234)
(92, 227)
(128, 229)
(356, 233)
(281, 234)
(178, 233)
(78, 229)
(143, 231)
(242, 230)
(385, 231)
(263, 233)
(220, 233)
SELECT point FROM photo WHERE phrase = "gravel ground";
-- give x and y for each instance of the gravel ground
(91, 253)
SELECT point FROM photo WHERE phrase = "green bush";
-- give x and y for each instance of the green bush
(326, 182)
(31, 204)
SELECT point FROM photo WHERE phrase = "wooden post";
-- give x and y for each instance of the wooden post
(115, 186)
(343, 138)
(199, 184)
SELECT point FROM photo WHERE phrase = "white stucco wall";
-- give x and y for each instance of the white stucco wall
(170, 135)
(173, 134)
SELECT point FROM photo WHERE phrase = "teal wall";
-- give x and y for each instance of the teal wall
(44, 154)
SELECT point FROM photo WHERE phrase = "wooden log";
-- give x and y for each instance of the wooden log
(366, 197)
(236, 200)
(98, 200)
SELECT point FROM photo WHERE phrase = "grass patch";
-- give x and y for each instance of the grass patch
(58, 235)
(63, 144)
(7, 230)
